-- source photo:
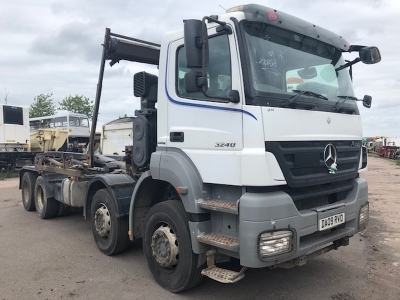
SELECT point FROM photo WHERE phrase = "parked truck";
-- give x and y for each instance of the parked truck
(75, 124)
(19, 145)
(14, 136)
(237, 160)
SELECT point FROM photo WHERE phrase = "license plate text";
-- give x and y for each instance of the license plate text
(331, 221)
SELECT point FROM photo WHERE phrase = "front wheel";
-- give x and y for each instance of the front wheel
(168, 249)
(109, 232)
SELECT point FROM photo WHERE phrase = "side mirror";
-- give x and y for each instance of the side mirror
(370, 55)
(234, 96)
(191, 82)
(193, 39)
(367, 101)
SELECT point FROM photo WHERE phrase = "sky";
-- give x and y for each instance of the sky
(50, 46)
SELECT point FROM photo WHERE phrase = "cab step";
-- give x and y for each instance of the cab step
(220, 205)
(222, 275)
(220, 241)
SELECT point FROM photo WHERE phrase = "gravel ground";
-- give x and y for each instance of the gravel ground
(383, 232)
(58, 259)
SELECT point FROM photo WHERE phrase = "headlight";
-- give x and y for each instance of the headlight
(274, 243)
(364, 217)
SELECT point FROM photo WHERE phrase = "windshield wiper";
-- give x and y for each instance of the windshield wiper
(342, 99)
(292, 101)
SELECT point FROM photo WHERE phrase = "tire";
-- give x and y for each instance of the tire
(46, 208)
(110, 232)
(28, 191)
(173, 264)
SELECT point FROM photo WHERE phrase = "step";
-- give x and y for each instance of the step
(222, 275)
(220, 241)
(219, 205)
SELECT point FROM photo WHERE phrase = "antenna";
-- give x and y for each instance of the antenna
(222, 7)
(5, 98)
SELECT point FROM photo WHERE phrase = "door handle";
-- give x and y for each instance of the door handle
(177, 136)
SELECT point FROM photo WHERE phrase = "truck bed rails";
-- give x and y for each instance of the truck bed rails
(70, 164)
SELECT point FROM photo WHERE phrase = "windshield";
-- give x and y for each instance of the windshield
(78, 122)
(73, 121)
(60, 122)
(84, 122)
(283, 63)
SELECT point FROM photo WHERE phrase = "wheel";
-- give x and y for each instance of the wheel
(28, 191)
(168, 249)
(45, 207)
(109, 231)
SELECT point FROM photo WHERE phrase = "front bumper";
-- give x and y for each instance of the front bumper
(263, 212)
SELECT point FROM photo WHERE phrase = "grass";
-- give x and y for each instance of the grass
(373, 154)
(8, 174)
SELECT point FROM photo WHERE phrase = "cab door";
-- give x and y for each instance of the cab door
(208, 131)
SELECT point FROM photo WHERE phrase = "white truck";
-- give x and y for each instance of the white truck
(253, 152)
(15, 148)
(19, 144)
(14, 134)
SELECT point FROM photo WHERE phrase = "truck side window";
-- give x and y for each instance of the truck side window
(218, 70)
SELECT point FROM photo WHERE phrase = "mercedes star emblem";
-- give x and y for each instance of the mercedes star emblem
(330, 157)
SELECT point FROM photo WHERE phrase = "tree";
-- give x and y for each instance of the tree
(77, 104)
(42, 106)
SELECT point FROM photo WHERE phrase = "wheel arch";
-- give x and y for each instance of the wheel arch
(147, 192)
(24, 170)
(176, 168)
(167, 169)
(119, 186)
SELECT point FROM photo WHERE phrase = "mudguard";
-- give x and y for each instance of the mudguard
(175, 167)
(119, 186)
(22, 172)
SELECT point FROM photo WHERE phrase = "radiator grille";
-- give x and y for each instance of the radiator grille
(303, 163)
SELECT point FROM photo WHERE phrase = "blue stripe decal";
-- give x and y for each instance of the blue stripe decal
(197, 104)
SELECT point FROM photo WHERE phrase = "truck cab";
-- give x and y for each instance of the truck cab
(258, 129)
